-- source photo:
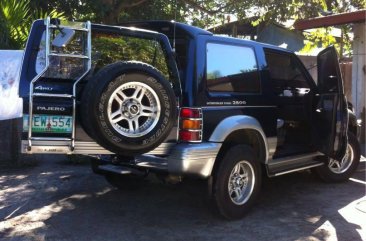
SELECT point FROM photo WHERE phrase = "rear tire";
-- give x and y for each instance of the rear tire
(237, 182)
(340, 171)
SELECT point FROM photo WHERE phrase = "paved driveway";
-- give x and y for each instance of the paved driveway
(59, 200)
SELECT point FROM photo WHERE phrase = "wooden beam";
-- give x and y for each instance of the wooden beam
(332, 20)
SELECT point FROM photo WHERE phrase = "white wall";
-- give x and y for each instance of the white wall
(10, 103)
(359, 68)
(359, 77)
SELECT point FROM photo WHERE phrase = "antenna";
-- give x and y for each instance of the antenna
(174, 23)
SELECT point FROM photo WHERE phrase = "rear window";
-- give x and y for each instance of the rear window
(109, 48)
(231, 68)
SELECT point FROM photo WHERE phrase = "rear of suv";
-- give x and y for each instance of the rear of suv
(177, 100)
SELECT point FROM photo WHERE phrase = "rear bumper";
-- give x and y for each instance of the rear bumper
(183, 159)
(195, 159)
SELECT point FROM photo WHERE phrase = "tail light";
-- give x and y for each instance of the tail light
(190, 125)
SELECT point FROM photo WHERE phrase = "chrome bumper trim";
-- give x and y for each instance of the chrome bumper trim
(63, 147)
(195, 159)
(81, 147)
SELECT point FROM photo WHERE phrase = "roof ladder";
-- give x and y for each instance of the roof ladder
(86, 58)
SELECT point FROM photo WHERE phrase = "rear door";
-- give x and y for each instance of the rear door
(331, 115)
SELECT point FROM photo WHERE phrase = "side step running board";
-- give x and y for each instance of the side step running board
(299, 169)
(281, 166)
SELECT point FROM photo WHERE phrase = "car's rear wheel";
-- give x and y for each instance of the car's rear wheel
(129, 108)
(236, 183)
(341, 170)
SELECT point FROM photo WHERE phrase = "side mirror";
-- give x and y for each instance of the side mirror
(63, 38)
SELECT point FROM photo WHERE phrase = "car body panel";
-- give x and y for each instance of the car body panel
(223, 113)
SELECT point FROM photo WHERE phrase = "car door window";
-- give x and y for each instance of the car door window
(327, 72)
(231, 68)
(286, 75)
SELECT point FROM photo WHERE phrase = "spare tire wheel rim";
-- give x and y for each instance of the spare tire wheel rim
(339, 167)
(134, 109)
(241, 182)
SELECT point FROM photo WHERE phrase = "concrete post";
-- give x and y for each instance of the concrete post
(359, 76)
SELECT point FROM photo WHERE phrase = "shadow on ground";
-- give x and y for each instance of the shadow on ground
(62, 201)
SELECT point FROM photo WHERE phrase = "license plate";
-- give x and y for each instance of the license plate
(48, 123)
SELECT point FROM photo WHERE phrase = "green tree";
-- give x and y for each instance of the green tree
(16, 18)
(110, 11)
(13, 13)
(4, 33)
(197, 12)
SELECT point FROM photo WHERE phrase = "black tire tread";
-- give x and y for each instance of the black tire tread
(326, 175)
(233, 154)
(88, 98)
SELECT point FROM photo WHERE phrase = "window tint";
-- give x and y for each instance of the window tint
(108, 48)
(327, 72)
(231, 69)
(286, 74)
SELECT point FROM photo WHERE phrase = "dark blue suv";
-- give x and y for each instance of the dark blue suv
(176, 100)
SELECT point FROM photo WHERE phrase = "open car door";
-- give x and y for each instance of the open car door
(331, 115)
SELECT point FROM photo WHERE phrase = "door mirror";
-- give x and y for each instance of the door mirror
(63, 38)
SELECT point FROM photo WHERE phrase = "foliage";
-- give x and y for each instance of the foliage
(203, 13)
(14, 13)
(319, 38)
(108, 48)
(4, 33)
(16, 18)
(112, 11)
(282, 11)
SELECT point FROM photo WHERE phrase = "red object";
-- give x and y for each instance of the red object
(49, 125)
(190, 113)
(186, 134)
(331, 20)
(189, 136)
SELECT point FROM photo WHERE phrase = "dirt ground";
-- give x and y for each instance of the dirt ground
(62, 200)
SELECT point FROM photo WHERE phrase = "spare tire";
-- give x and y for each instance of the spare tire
(129, 108)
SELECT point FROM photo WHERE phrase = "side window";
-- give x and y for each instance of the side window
(231, 69)
(286, 75)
